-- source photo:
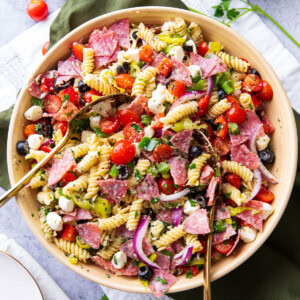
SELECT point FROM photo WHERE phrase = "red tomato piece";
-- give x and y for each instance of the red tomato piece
(265, 195)
(123, 152)
(230, 202)
(45, 48)
(146, 54)
(244, 223)
(69, 233)
(125, 81)
(63, 126)
(195, 270)
(207, 131)
(225, 246)
(234, 180)
(177, 88)
(46, 149)
(52, 104)
(203, 106)
(37, 10)
(78, 50)
(69, 94)
(109, 124)
(222, 146)
(167, 186)
(244, 59)
(232, 100)
(88, 96)
(255, 101)
(202, 48)
(68, 177)
(47, 84)
(162, 153)
(165, 67)
(266, 94)
(236, 114)
(126, 116)
(252, 83)
(133, 132)
(156, 124)
(29, 129)
(222, 129)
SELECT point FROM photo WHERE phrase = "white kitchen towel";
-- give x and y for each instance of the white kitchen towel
(50, 290)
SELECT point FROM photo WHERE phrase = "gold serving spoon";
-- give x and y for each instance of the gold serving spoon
(116, 99)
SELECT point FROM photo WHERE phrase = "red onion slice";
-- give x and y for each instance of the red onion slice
(210, 85)
(265, 172)
(182, 257)
(138, 242)
(257, 184)
(176, 216)
(193, 95)
(47, 143)
(175, 196)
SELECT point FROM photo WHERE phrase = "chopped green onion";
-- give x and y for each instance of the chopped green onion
(99, 132)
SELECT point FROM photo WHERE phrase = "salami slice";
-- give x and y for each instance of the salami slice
(220, 66)
(211, 189)
(34, 89)
(253, 218)
(138, 104)
(66, 112)
(123, 231)
(163, 261)
(247, 158)
(180, 72)
(158, 58)
(234, 151)
(76, 215)
(237, 239)
(128, 249)
(121, 29)
(165, 215)
(60, 167)
(223, 236)
(148, 189)
(182, 140)
(70, 67)
(90, 233)
(222, 212)
(197, 223)
(178, 168)
(206, 175)
(97, 42)
(113, 190)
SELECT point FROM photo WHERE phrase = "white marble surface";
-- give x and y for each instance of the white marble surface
(14, 20)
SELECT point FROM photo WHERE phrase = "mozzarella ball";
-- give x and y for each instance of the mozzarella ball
(190, 206)
(155, 103)
(137, 149)
(134, 54)
(54, 221)
(149, 132)
(267, 210)
(94, 121)
(85, 135)
(168, 27)
(177, 52)
(119, 260)
(65, 204)
(195, 70)
(262, 142)
(34, 113)
(35, 141)
(248, 234)
(103, 108)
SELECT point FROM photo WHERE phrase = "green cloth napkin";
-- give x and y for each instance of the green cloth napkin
(273, 272)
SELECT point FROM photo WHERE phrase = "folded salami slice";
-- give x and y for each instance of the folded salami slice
(182, 140)
(197, 223)
(237, 239)
(35, 90)
(178, 167)
(113, 190)
(223, 236)
(138, 104)
(222, 212)
(206, 175)
(90, 233)
(77, 215)
(121, 29)
(247, 158)
(163, 261)
(70, 67)
(180, 72)
(128, 249)
(165, 215)
(148, 189)
(211, 190)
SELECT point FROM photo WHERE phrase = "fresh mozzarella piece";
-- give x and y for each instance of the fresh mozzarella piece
(149, 132)
(133, 54)
(267, 210)
(35, 141)
(190, 42)
(155, 103)
(248, 234)
(103, 108)
(54, 221)
(34, 113)
(262, 142)
(137, 149)
(190, 206)
(119, 260)
(177, 52)
(195, 71)
(168, 27)
(65, 204)
(86, 134)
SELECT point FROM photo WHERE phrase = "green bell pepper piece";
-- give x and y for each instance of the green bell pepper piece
(219, 226)
(147, 144)
(114, 172)
(163, 167)
(198, 86)
(152, 170)
(146, 120)
(228, 86)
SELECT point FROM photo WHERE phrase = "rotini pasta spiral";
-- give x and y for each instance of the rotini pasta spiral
(94, 142)
(180, 26)
(73, 249)
(195, 169)
(238, 76)
(78, 185)
(156, 229)
(139, 172)
(218, 109)
(104, 165)
(88, 161)
(150, 87)
(93, 187)
(114, 221)
(234, 194)
(214, 99)
(195, 33)
(48, 232)
(142, 80)
(128, 198)
(106, 237)
(36, 154)
(246, 101)
(39, 180)
(237, 85)
(134, 214)
(238, 169)
(234, 62)
(116, 137)
(108, 252)
(46, 197)
(99, 85)
(88, 61)
(80, 150)
(192, 239)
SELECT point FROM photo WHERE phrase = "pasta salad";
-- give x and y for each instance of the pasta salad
(132, 188)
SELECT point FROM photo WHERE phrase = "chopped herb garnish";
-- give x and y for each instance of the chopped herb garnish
(189, 274)
(136, 127)
(36, 101)
(162, 280)
(137, 174)
(154, 200)
(192, 166)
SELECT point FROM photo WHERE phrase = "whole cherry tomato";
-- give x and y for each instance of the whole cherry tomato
(88, 96)
(47, 84)
(265, 195)
(69, 233)
(45, 48)
(234, 180)
(236, 114)
(125, 81)
(146, 54)
(133, 132)
(69, 94)
(165, 67)
(37, 10)
(252, 83)
(266, 94)
(225, 246)
(123, 152)
(203, 106)
(29, 129)
(52, 104)
(109, 124)
(202, 48)
(177, 88)
(63, 126)
(126, 116)
(78, 50)
(68, 177)
(156, 124)
(222, 146)
(162, 153)
(222, 129)
(167, 186)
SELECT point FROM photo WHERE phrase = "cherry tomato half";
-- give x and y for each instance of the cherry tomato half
(195, 271)
(126, 116)
(232, 100)
(88, 96)
(78, 50)
(47, 84)
(234, 180)
(46, 149)
(69, 233)
(225, 246)
(265, 195)
(266, 94)
(70, 94)
(162, 153)
(45, 48)
(222, 129)
(230, 202)
(167, 186)
(203, 106)
(52, 104)
(177, 88)
(63, 126)
(252, 83)
(123, 152)
(109, 124)
(236, 114)
(165, 67)
(68, 177)
(125, 81)
(255, 101)
(37, 10)
(202, 48)
(207, 131)
(146, 54)
(156, 124)
(133, 132)
(222, 146)
(29, 129)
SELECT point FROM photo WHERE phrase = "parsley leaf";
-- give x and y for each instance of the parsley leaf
(136, 127)
(162, 280)
(232, 14)
(36, 101)
(192, 166)
(189, 274)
